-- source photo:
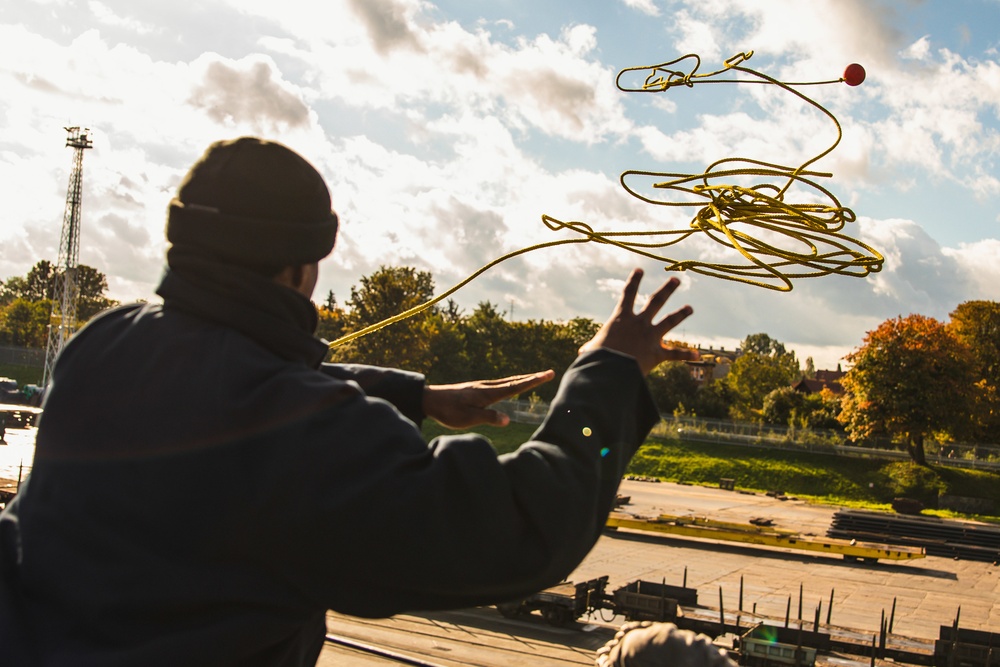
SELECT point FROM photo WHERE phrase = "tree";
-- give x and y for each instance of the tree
(35, 286)
(822, 410)
(789, 407)
(672, 386)
(25, 323)
(761, 343)
(712, 401)
(387, 292)
(331, 301)
(447, 347)
(810, 370)
(40, 284)
(911, 377)
(581, 329)
(91, 286)
(332, 322)
(763, 366)
(486, 333)
(977, 324)
(782, 406)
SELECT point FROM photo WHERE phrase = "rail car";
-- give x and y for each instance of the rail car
(563, 604)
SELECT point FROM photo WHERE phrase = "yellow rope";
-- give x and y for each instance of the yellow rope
(819, 247)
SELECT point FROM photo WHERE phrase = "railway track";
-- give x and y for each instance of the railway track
(478, 637)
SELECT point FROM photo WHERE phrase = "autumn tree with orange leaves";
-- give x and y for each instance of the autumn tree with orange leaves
(977, 324)
(911, 377)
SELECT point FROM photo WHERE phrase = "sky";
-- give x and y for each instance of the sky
(446, 129)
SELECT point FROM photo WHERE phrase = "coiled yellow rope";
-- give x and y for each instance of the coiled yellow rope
(813, 230)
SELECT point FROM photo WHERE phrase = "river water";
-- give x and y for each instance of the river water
(17, 453)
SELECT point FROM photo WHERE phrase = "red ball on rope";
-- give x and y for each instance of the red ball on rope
(854, 75)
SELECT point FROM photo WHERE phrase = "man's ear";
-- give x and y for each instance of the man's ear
(299, 277)
(290, 276)
(285, 276)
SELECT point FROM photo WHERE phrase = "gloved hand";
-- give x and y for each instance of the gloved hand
(648, 644)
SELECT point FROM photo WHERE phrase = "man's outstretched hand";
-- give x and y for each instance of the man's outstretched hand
(466, 404)
(635, 334)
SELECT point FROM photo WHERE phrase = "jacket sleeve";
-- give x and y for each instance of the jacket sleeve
(404, 389)
(451, 524)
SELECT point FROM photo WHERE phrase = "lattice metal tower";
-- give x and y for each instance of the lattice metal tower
(65, 291)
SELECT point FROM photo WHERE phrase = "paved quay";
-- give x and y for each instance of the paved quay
(928, 591)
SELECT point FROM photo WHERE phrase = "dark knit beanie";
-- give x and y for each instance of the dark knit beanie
(255, 203)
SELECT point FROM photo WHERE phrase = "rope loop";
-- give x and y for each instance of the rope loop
(774, 240)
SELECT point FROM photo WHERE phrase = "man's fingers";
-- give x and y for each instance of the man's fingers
(673, 319)
(658, 298)
(535, 379)
(499, 418)
(627, 301)
(532, 379)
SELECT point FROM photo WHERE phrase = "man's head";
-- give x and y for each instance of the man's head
(256, 204)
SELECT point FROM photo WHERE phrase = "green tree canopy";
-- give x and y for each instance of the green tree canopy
(788, 407)
(387, 292)
(763, 366)
(761, 343)
(26, 302)
(672, 386)
(35, 286)
(782, 405)
(486, 333)
(911, 377)
(25, 323)
(91, 287)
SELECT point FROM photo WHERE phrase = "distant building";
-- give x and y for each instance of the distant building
(823, 380)
(713, 364)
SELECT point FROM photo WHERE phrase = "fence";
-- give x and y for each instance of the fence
(22, 356)
(770, 436)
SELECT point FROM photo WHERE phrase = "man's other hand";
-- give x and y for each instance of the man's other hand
(467, 404)
(635, 334)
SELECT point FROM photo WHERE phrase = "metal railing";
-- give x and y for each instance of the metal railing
(22, 356)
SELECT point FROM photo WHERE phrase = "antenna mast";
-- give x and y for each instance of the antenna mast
(63, 321)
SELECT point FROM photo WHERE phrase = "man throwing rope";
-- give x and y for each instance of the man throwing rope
(204, 489)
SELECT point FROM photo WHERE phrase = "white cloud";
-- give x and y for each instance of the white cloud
(866, 33)
(107, 16)
(647, 7)
(699, 37)
(444, 141)
(980, 261)
(919, 50)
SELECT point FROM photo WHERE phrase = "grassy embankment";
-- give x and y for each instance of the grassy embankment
(839, 480)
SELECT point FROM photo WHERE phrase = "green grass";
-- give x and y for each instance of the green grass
(23, 374)
(839, 480)
(505, 439)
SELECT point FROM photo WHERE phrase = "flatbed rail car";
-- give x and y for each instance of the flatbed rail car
(650, 601)
(962, 647)
(562, 604)
(702, 528)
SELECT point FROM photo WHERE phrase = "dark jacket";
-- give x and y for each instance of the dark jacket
(202, 493)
